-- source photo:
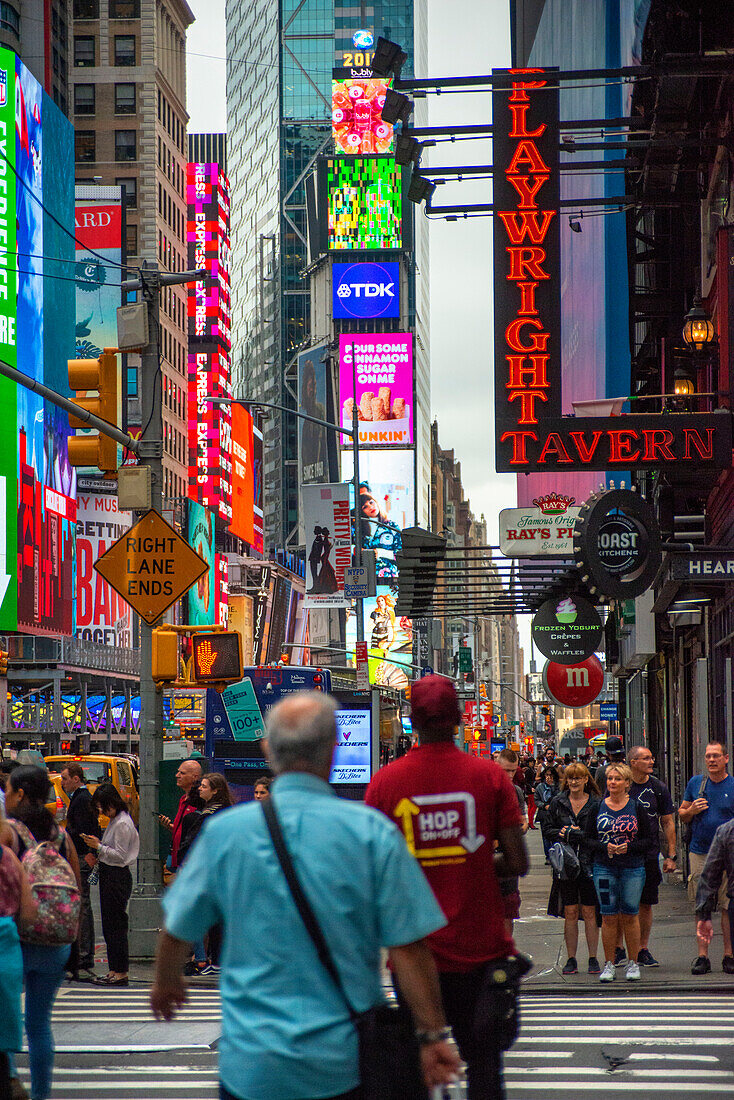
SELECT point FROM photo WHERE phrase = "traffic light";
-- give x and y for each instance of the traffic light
(4, 662)
(217, 658)
(164, 656)
(417, 564)
(90, 375)
(482, 691)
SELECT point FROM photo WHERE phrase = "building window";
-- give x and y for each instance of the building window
(125, 49)
(129, 187)
(84, 99)
(86, 9)
(9, 19)
(124, 99)
(85, 149)
(131, 240)
(124, 9)
(125, 145)
(84, 51)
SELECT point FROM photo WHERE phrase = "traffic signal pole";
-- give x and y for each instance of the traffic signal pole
(145, 911)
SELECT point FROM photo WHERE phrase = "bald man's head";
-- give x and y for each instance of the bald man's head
(302, 733)
(189, 772)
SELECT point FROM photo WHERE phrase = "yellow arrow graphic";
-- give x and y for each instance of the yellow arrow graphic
(407, 810)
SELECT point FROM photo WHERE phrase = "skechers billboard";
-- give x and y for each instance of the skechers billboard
(364, 291)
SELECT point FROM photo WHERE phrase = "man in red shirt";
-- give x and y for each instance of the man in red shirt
(188, 776)
(451, 808)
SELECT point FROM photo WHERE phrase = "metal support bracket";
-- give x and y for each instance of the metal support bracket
(150, 448)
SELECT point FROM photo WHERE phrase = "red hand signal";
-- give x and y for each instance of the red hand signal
(206, 658)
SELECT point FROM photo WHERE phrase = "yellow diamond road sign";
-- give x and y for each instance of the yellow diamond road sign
(151, 566)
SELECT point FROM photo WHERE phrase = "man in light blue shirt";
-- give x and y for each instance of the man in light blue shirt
(286, 1030)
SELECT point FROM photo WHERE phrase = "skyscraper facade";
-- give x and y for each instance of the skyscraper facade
(280, 60)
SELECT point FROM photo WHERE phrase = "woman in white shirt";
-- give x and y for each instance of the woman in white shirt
(116, 851)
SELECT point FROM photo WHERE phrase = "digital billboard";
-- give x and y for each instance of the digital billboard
(389, 639)
(101, 615)
(365, 291)
(386, 502)
(365, 203)
(98, 252)
(313, 441)
(356, 115)
(207, 233)
(40, 484)
(376, 371)
(208, 308)
(203, 595)
(247, 514)
(328, 526)
(210, 431)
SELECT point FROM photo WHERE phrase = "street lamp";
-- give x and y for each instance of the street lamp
(698, 329)
(352, 434)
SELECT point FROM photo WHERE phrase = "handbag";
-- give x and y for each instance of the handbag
(389, 1054)
(687, 829)
(564, 861)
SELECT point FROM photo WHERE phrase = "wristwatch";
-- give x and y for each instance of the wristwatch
(440, 1035)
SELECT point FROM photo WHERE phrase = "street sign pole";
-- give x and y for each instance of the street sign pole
(145, 910)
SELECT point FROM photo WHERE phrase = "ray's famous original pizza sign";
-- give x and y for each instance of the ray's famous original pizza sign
(531, 433)
(543, 531)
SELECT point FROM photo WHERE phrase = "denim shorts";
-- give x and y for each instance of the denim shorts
(618, 888)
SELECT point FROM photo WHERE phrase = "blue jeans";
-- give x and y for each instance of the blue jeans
(619, 889)
(43, 973)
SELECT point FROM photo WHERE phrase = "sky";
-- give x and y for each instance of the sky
(464, 37)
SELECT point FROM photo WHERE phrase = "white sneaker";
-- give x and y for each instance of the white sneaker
(632, 973)
(608, 973)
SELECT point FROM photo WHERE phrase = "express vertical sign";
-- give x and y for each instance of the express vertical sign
(531, 433)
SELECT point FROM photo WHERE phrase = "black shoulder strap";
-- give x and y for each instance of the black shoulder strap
(702, 788)
(301, 901)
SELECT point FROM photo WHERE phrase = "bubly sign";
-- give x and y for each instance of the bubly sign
(364, 291)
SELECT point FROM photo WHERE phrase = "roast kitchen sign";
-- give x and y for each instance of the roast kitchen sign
(531, 433)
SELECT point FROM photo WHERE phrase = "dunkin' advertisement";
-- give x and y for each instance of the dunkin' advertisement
(376, 372)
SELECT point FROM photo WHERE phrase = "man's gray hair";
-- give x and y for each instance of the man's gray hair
(301, 732)
(636, 751)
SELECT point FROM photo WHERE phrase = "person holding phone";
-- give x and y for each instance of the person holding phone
(116, 851)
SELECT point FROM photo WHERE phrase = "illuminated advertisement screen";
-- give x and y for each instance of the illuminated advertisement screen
(389, 639)
(356, 115)
(352, 756)
(247, 514)
(314, 382)
(98, 252)
(38, 487)
(386, 502)
(364, 291)
(210, 430)
(203, 594)
(364, 202)
(207, 233)
(102, 616)
(380, 366)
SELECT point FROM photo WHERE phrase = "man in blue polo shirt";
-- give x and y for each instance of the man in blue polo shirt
(708, 802)
(285, 1029)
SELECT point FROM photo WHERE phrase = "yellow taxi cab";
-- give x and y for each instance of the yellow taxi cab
(98, 768)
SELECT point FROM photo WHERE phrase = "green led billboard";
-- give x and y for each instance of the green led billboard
(365, 203)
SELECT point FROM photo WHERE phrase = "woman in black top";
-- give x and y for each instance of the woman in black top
(545, 791)
(214, 795)
(569, 817)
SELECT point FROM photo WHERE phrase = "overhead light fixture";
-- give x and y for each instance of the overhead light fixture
(575, 224)
(683, 617)
(388, 58)
(689, 599)
(397, 107)
(698, 329)
(420, 189)
(407, 150)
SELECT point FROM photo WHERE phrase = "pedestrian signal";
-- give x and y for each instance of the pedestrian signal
(164, 656)
(217, 658)
(85, 376)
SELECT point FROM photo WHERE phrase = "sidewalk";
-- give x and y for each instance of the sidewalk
(673, 941)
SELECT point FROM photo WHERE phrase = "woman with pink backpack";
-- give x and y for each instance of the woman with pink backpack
(49, 859)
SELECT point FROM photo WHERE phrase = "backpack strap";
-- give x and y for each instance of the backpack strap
(23, 833)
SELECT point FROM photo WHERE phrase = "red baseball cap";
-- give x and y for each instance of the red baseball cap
(434, 701)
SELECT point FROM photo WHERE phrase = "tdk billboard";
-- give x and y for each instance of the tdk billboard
(365, 291)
